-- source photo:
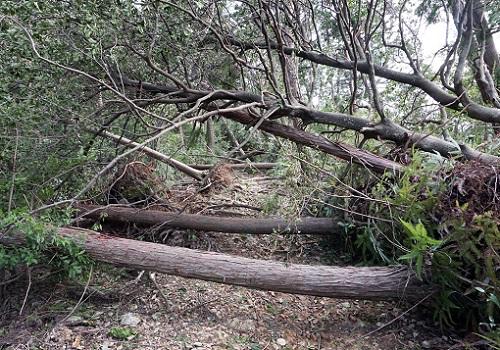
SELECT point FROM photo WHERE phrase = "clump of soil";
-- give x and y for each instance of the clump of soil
(474, 190)
(219, 176)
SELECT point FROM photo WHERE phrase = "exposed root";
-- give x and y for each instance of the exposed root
(219, 176)
(135, 182)
(474, 190)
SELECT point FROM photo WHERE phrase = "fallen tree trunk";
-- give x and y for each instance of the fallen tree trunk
(186, 169)
(305, 225)
(262, 166)
(384, 131)
(373, 283)
(338, 149)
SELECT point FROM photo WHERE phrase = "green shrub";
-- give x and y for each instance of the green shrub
(443, 222)
(122, 333)
(43, 246)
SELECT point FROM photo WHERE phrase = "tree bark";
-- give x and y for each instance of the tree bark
(385, 131)
(338, 149)
(474, 110)
(186, 169)
(304, 225)
(210, 134)
(239, 166)
(391, 131)
(371, 283)
(485, 37)
(232, 138)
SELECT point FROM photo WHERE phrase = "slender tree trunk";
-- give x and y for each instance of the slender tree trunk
(182, 136)
(186, 169)
(232, 138)
(304, 225)
(210, 134)
(373, 283)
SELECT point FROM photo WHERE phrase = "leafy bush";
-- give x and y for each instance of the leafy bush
(42, 245)
(444, 223)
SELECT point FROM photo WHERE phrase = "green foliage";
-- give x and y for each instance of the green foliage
(42, 246)
(411, 220)
(271, 205)
(46, 155)
(122, 333)
(371, 246)
(406, 199)
(420, 245)
(430, 9)
(417, 190)
(466, 267)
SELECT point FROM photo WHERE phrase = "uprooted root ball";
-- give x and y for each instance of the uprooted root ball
(135, 182)
(474, 189)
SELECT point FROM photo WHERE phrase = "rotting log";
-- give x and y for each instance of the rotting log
(184, 168)
(239, 166)
(304, 225)
(370, 283)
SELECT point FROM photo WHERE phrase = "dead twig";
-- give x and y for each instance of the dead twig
(27, 291)
(81, 297)
(398, 317)
(152, 277)
(192, 308)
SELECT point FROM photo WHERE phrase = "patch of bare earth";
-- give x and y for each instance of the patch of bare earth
(178, 313)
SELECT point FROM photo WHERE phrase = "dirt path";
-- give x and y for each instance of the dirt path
(186, 314)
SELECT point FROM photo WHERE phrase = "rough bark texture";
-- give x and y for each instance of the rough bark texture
(305, 225)
(373, 283)
(337, 149)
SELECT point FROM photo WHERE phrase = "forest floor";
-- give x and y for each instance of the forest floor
(115, 310)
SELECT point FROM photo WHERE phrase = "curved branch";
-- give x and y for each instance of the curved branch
(388, 130)
(338, 149)
(474, 110)
(385, 130)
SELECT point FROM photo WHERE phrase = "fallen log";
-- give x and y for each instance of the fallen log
(186, 169)
(305, 225)
(239, 166)
(371, 283)
(337, 149)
